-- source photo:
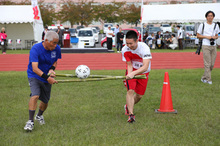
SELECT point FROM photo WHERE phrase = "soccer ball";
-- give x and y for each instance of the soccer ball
(82, 71)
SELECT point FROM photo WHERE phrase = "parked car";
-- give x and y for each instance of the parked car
(54, 28)
(104, 40)
(105, 28)
(154, 30)
(86, 36)
(79, 27)
(73, 32)
(189, 30)
(97, 28)
(96, 34)
(166, 28)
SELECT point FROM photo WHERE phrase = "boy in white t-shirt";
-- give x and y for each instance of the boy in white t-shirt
(138, 60)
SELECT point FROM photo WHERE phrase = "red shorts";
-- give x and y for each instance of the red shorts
(138, 85)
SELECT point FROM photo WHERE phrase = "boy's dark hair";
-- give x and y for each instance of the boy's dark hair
(173, 35)
(131, 35)
(207, 13)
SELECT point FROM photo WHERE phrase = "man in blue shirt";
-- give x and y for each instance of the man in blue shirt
(42, 60)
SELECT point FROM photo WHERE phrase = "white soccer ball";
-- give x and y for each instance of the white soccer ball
(82, 71)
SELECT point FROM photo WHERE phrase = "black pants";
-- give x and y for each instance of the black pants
(3, 46)
(180, 42)
(109, 43)
(60, 43)
(119, 46)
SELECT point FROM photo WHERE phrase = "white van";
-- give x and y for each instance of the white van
(96, 34)
(105, 28)
(86, 36)
(166, 28)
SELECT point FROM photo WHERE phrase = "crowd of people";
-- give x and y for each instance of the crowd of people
(168, 41)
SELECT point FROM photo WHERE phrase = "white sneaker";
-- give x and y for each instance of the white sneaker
(118, 52)
(40, 119)
(209, 82)
(29, 126)
(204, 80)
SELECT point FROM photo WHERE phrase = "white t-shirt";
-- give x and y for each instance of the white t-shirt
(180, 33)
(174, 40)
(208, 31)
(108, 35)
(136, 56)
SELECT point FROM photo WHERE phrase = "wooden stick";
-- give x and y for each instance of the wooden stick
(100, 79)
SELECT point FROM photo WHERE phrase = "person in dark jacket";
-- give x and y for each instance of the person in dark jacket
(120, 37)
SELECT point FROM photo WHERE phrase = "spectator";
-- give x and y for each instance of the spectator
(44, 32)
(180, 37)
(174, 42)
(109, 34)
(151, 40)
(208, 32)
(159, 40)
(115, 32)
(3, 37)
(145, 37)
(120, 37)
(60, 33)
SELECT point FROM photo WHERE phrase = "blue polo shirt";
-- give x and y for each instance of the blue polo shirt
(45, 59)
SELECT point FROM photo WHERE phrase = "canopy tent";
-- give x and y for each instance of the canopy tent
(179, 13)
(19, 23)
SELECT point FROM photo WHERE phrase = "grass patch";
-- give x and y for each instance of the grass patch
(91, 113)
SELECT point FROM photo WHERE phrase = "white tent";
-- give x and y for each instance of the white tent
(19, 23)
(179, 13)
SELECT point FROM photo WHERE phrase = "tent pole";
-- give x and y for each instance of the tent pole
(141, 21)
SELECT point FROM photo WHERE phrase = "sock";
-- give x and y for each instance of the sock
(31, 115)
(40, 112)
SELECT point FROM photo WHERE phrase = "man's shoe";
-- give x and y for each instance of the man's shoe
(40, 119)
(204, 80)
(29, 126)
(209, 82)
(131, 118)
(126, 110)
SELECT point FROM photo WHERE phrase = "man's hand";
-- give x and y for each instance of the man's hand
(52, 73)
(52, 80)
(130, 76)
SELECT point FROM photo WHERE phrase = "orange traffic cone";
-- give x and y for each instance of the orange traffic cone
(166, 105)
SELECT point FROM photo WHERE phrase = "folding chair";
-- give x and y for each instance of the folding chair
(10, 44)
(18, 43)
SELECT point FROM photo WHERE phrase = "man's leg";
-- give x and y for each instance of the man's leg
(42, 108)
(137, 98)
(130, 101)
(213, 56)
(207, 62)
(32, 106)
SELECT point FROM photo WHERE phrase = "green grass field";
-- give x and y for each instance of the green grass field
(92, 113)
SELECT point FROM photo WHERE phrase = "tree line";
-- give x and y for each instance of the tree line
(84, 12)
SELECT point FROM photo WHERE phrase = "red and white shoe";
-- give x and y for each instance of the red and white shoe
(126, 110)
(131, 118)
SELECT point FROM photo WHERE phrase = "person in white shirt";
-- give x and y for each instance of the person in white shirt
(208, 32)
(109, 34)
(138, 57)
(174, 42)
(151, 40)
(180, 37)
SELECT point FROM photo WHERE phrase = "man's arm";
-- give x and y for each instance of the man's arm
(142, 69)
(40, 73)
(206, 37)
